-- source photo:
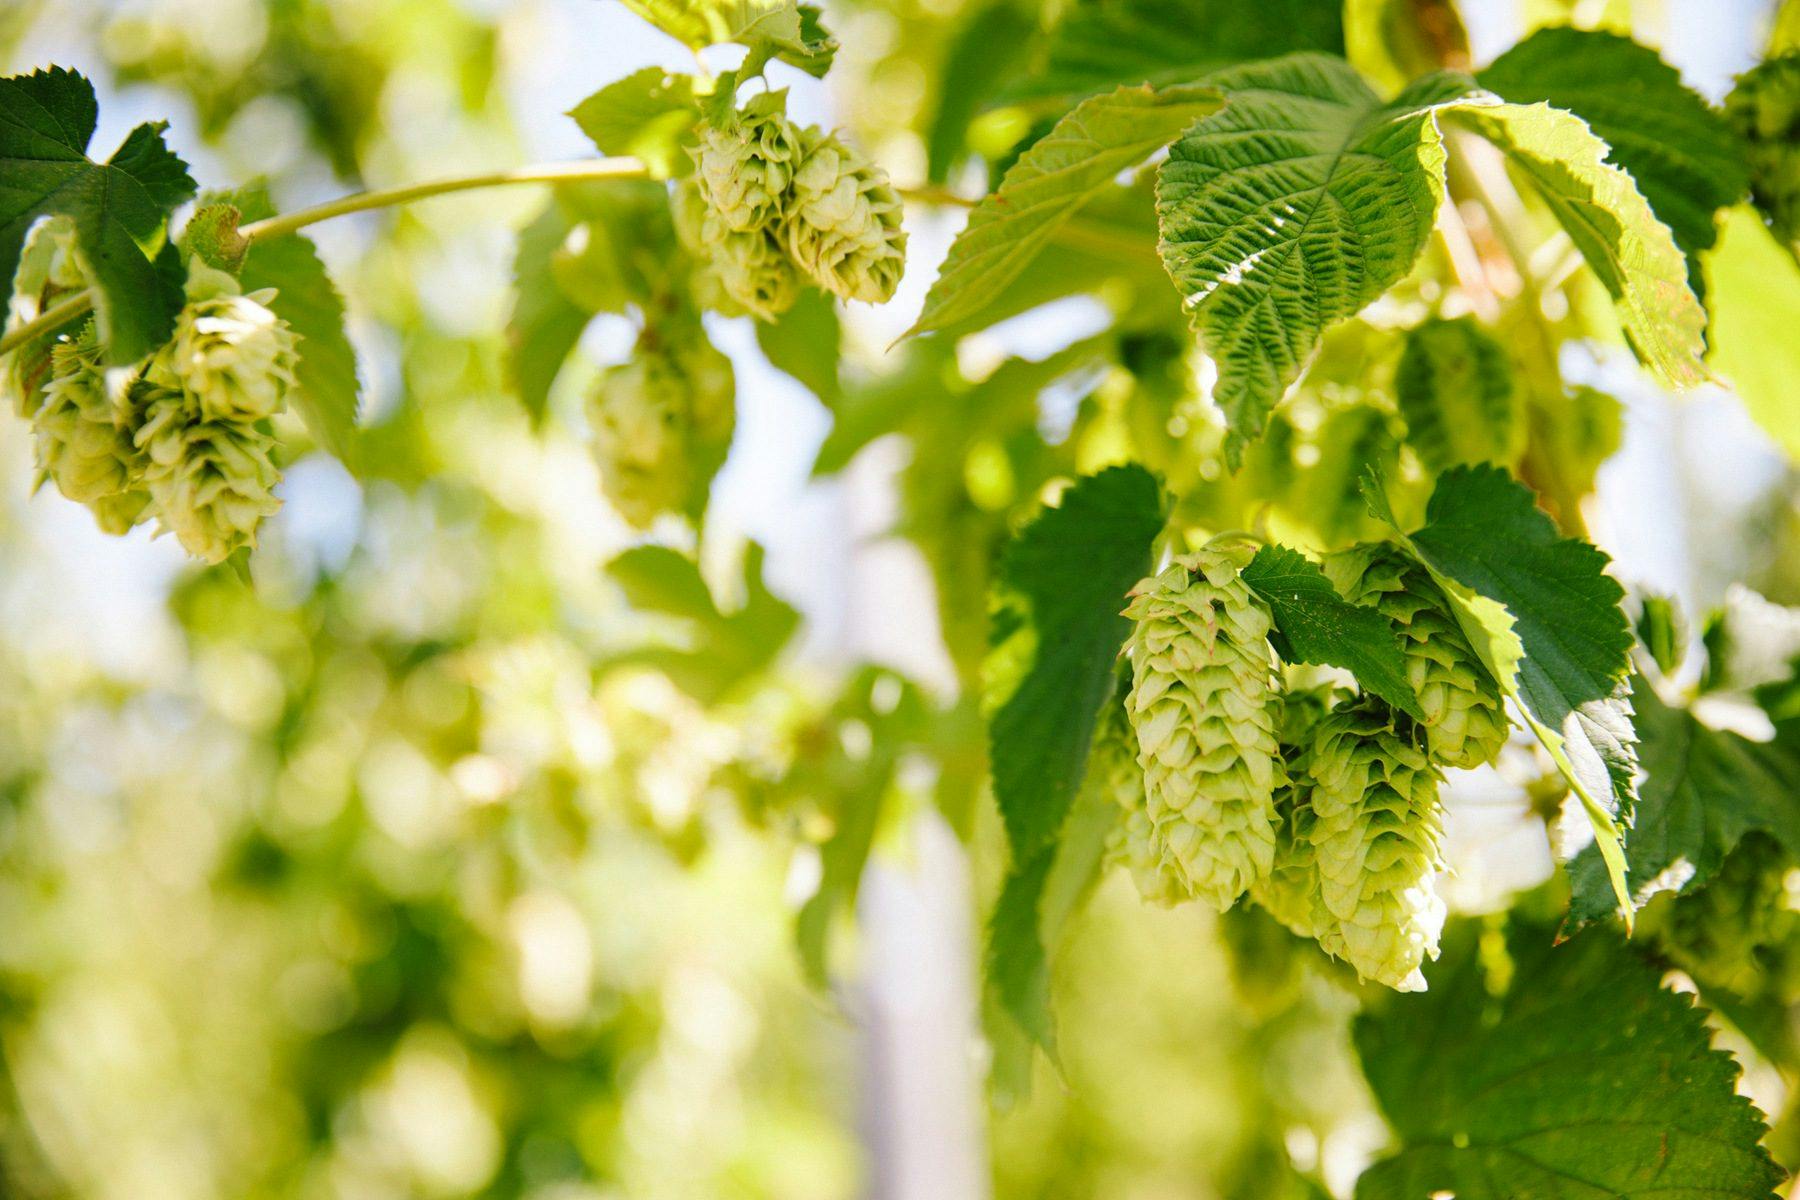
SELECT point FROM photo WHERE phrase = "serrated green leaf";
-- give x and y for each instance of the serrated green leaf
(1316, 625)
(1703, 790)
(1078, 160)
(305, 297)
(1071, 567)
(118, 209)
(1291, 209)
(1682, 155)
(723, 649)
(1630, 251)
(1753, 290)
(649, 115)
(777, 28)
(1547, 621)
(1662, 631)
(545, 324)
(1455, 389)
(804, 342)
(1104, 43)
(1567, 1074)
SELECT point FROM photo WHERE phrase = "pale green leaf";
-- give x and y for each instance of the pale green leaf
(649, 115)
(780, 28)
(545, 323)
(1078, 160)
(1554, 1072)
(1753, 290)
(804, 342)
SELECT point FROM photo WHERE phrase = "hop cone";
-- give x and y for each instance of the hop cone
(1764, 107)
(1291, 891)
(81, 439)
(47, 271)
(1204, 706)
(232, 354)
(744, 168)
(1113, 767)
(843, 226)
(662, 423)
(1375, 835)
(212, 481)
(1465, 722)
(1723, 933)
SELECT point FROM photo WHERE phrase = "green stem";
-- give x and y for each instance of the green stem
(74, 306)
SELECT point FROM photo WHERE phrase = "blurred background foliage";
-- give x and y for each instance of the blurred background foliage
(445, 852)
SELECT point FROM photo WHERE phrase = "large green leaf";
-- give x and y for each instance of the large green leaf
(1629, 250)
(1103, 43)
(117, 209)
(1703, 790)
(1547, 621)
(1567, 1073)
(1076, 161)
(1067, 575)
(649, 115)
(1313, 624)
(804, 341)
(778, 28)
(1685, 159)
(1289, 210)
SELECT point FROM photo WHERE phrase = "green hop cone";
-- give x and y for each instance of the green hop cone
(48, 271)
(1465, 718)
(1724, 933)
(843, 226)
(212, 481)
(1204, 706)
(82, 439)
(1113, 767)
(1764, 108)
(662, 424)
(1291, 891)
(230, 352)
(1375, 834)
(744, 168)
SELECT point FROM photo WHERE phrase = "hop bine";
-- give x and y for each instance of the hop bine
(1465, 718)
(1375, 831)
(1203, 707)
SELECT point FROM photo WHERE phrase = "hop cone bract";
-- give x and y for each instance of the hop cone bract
(662, 424)
(1375, 833)
(1764, 108)
(843, 226)
(81, 437)
(1465, 720)
(1203, 705)
(230, 352)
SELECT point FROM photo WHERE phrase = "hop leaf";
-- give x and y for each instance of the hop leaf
(1764, 108)
(843, 226)
(212, 480)
(81, 439)
(662, 423)
(1204, 706)
(1721, 934)
(1465, 719)
(230, 352)
(1375, 833)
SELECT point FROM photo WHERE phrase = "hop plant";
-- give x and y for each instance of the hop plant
(1465, 720)
(1291, 891)
(1113, 768)
(1764, 107)
(211, 480)
(744, 167)
(48, 269)
(81, 436)
(1375, 831)
(1203, 705)
(662, 423)
(843, 226)
(230, 352)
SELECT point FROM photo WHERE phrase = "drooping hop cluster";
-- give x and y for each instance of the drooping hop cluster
(1113, 768)
(771, 202)
(1465, 718)
(1764, 107)
(1291, 892)
(1376, 834)
(183, 436)
(1204, 706)
(662, 424)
